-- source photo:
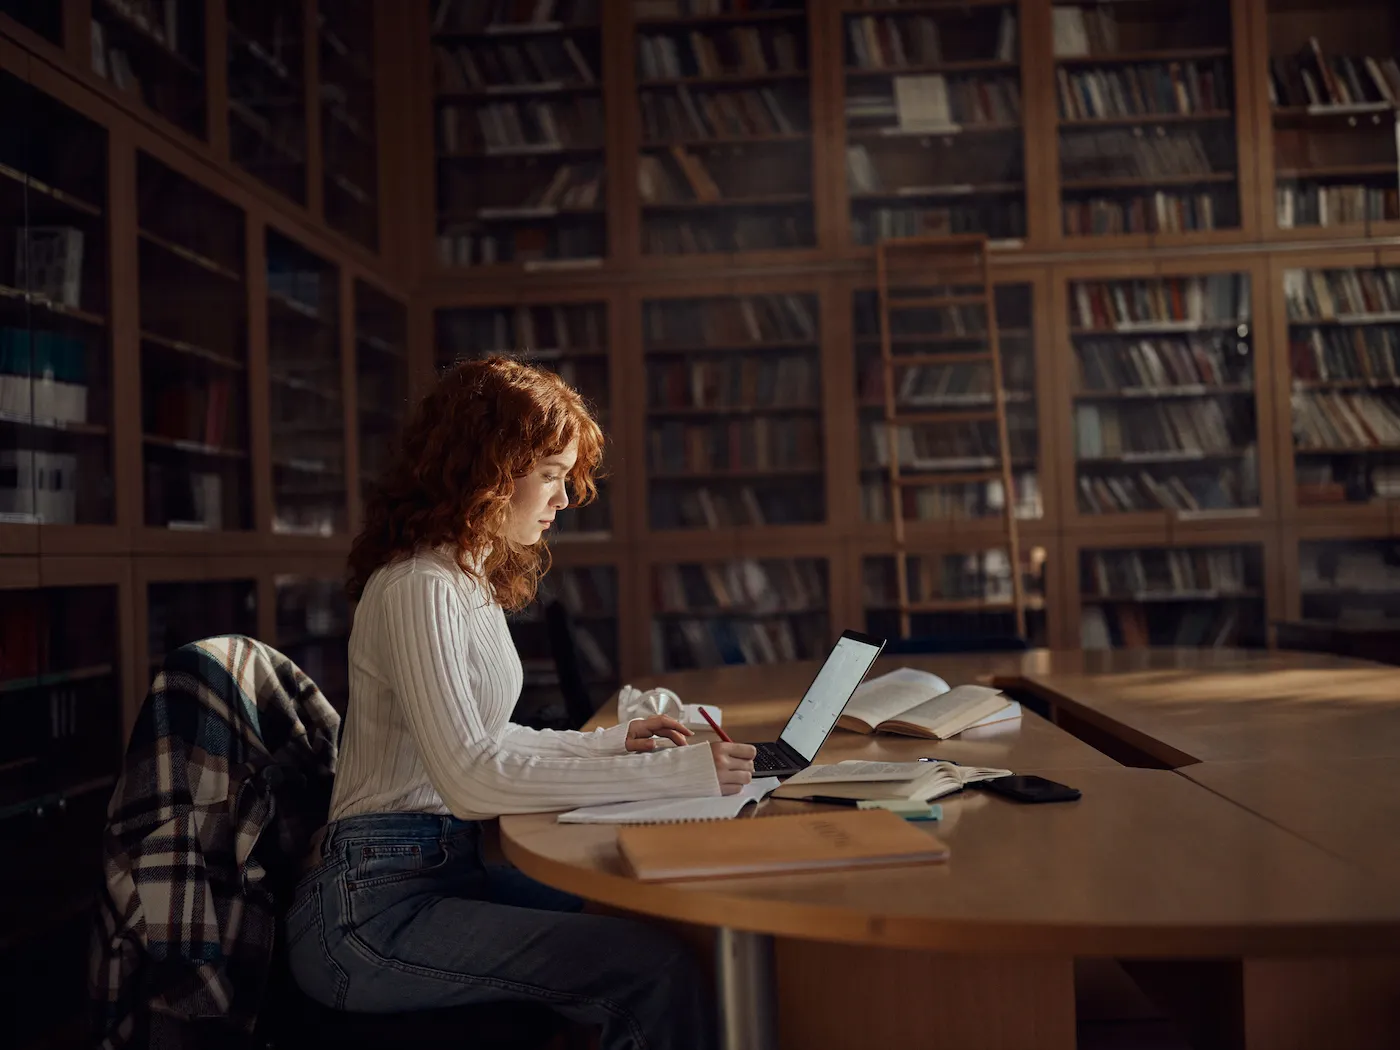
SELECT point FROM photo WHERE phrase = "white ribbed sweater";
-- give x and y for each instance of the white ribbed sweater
(434, 677)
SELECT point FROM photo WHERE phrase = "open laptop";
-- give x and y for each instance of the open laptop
(821, 706)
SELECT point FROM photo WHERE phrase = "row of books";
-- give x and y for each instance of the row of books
(43, 375)
(1337, 419)
(519, 126)
(999, 219)
(306, 606)
(934, 102)
(1144, 90)
(1311, 78)
(747, 585)
(1353, 479)
(535, 328)
(720, 52)
(963, 501)
(675, 176)
(185, 612)
(194, 412)
(475, 16)
(971, 379)
(585, 591)
(1133, 154)
(1127, 430)
(1130, 627)
(937, 322)
(1219, 299)
(765, 443)
(1328, 295)
(897, 41)
(1185, 490)
(720, 116)
(966, 168)
(1363, 352)
(944, 386)
(1318, 205)
(658, 10)
(56, 630)
(184, 499)
(686, 506)
(38, 486)
(1349, 567)
(733, 321)
(1082, 31)
(779, 381)
(465, 244)
(49, 263)
(948, 447)
(732, 233)
(1108, 574)
(681, 644)
(1160, 212)
(113, 63)
(492, 66)
(1164, 363)
(980, 575)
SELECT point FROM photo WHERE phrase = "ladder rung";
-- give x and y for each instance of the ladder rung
(913, 360)
(935, 301)
(965, 416)
(919, 481)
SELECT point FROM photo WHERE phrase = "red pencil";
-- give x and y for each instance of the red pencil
(715, 725)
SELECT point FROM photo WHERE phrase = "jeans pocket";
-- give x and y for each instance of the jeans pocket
(309, 957)
(382, 863)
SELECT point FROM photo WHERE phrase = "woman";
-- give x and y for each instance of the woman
(399, 911)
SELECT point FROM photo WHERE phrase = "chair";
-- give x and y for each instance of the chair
(578, 702)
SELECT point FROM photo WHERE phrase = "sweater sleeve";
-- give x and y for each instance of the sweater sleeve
(612, 741)
(473, 771)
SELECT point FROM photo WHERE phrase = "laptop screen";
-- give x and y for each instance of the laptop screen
(826, 697)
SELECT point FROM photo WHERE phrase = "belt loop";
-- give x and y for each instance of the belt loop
(328, 835)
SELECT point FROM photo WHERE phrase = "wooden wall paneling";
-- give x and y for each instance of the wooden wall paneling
(19, 573)
(259, 396)
(1040, 121)
(350, 399)
(1289, 578)
(311, 86)
(216, 77)
(623, 135)
(840, 432)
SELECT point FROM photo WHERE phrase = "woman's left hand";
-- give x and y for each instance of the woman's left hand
(642, 732)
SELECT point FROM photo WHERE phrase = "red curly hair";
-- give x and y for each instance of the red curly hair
(485, 423)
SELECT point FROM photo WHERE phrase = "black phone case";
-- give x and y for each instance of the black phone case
(1043, 791)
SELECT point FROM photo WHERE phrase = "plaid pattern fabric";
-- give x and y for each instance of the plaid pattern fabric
(227, 774)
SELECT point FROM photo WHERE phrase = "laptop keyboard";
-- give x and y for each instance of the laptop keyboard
(769, 759)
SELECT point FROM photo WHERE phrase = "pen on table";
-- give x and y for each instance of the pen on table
(715, 725)
(829, 800)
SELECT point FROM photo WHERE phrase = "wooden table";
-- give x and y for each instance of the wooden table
(1230, 850)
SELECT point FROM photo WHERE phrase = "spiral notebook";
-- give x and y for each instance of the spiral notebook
(672, 810)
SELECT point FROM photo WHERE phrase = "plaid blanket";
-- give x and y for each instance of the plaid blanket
(227, 774)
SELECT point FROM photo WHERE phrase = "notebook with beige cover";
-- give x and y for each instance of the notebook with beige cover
(774, 845)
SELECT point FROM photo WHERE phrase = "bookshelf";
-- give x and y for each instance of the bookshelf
(56, 453)
(381, 379)
(306, 413)
(194, 354)
(43, 17)
(1353, 582)
(739, 611)
(313, 630)
(182, 611)
(933, 119)
(1147, 108)
(349, 126)
(153, 51)
(961, 594)
(267, 99)
(571, 339)
(1333, 90)
(725, 153)
(950, 466)
(1163, 392)
(518, 120)
(1195, 594)
(733, 412)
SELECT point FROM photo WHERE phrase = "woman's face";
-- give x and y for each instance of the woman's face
(540, 495)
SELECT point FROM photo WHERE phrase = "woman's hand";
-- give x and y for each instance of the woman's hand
(733, 765)
(642, 732)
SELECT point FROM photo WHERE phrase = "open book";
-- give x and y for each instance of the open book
(916, 781)
(672, 810)
(916, 703)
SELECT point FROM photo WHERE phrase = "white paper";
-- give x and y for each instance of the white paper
(855, 770)
(672, 810)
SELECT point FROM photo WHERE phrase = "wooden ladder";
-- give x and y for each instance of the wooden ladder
(931, 273)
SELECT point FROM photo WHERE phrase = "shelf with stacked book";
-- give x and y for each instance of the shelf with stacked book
(305, 407)
(345, 31)
(733, 413)
(1164, 394)
(589, 597)
(193, 302)
(957, 594)
(1147, 104)
(568, 338)
(313, 631)
(743, 611)
(153, 50)
(934, 136)
(950, 463)
(56, 449)
(381, 369)
(267, 93)
(182, 611)
(725, 161)
(1343, 325)
(1334, 101)
(61, 684)
(520, 134)
(1199, 595)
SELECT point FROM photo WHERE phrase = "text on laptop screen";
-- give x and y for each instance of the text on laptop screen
(826, 698)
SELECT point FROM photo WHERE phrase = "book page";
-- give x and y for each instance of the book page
(931, 714)
(891, 694)
(672, 810)
(855, 770)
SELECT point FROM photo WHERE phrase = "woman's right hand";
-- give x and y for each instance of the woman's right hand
(733, 765)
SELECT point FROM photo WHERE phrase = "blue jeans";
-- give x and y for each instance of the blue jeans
(402, 914)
